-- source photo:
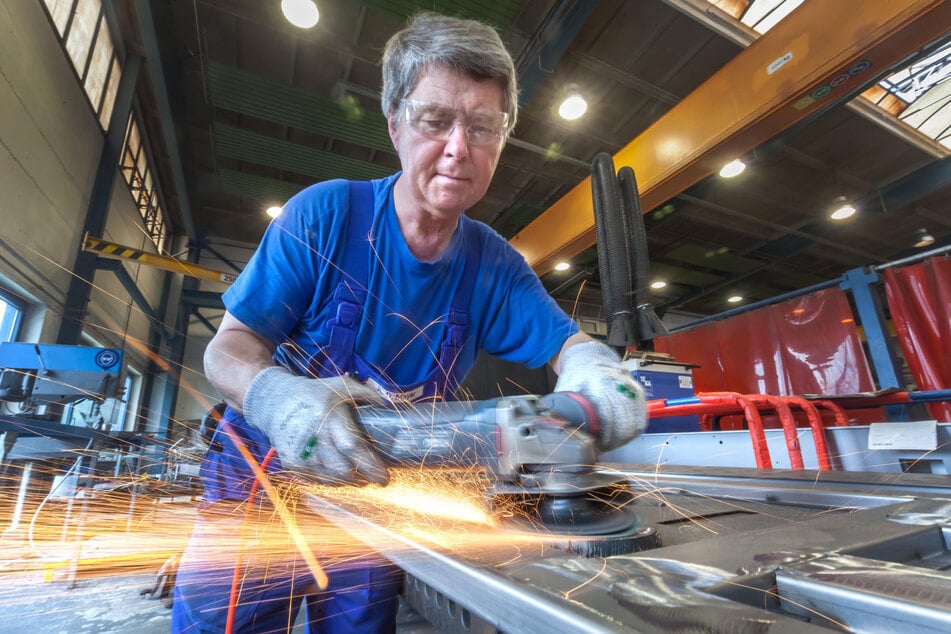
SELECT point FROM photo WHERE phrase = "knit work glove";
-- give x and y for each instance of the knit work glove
(311, 426)
(594, 370)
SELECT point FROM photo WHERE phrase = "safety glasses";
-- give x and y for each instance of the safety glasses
(436, 121)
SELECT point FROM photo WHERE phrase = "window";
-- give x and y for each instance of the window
(84, 32)
(11, 313)
(138, 175)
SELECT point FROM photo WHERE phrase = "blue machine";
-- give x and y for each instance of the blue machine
(667, 379)
(46, 373)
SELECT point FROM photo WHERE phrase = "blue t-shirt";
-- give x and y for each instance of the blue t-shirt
(286, 291)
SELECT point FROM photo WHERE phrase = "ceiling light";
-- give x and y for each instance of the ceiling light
(735, 299)
(274, 211)
(562, 266)
(574, 104)
(733, 168)
(302, 13)
(924, 239)
(659, 284)
(842, 209)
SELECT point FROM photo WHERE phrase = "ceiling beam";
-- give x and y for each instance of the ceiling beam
(818, 56)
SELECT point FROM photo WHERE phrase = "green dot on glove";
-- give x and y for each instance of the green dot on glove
(626, 391)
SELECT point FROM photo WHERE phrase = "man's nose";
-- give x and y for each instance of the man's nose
(457, 143)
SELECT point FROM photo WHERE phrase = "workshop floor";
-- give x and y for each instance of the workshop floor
(37, 595)
(113, 606)
(92, 606)
(110, 605)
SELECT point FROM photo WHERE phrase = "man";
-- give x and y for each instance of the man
(385, 291)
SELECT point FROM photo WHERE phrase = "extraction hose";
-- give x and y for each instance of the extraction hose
(614, 261)
(647, 325)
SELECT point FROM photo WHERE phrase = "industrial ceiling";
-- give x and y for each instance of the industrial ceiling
(261, 109)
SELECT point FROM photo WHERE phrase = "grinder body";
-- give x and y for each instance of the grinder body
(510, 436)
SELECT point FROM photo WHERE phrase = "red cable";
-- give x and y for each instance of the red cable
(236, 578)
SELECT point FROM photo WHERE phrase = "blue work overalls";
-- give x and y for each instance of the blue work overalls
(360, 597)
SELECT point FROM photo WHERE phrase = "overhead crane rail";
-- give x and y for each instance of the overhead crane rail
(114, 251)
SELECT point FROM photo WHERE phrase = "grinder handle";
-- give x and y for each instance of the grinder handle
(574, 408)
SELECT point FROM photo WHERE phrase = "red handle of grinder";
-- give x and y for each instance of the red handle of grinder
(574, 408)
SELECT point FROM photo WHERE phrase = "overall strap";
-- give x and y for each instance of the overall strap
(354, 266)
(458, 324)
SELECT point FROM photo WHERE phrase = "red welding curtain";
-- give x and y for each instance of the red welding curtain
(806, 345)
(919, 298)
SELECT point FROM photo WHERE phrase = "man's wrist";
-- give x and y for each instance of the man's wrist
(264, 384)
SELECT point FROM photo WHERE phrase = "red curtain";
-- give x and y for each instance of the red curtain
(806, 345)
(919, 298)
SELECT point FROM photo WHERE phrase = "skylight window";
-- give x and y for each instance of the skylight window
(913, 82)
(762, 15)
(925, 88)
(918, 95)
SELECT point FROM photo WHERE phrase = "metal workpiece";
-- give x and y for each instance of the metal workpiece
(868, 594)
(733, 550)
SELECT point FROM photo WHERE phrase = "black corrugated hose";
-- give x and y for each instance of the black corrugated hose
(614, 262)
(647, 325)
(622, 256)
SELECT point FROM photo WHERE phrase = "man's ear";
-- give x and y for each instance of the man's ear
(393, 127)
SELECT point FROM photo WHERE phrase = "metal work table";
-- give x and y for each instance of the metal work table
(736, 550)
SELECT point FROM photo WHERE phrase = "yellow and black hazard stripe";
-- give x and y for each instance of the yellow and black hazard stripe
(111, 250)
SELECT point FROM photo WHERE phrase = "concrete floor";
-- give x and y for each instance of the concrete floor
(113, 605)
(30, 604)
(37, 594)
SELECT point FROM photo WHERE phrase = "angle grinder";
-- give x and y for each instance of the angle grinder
(539, 453)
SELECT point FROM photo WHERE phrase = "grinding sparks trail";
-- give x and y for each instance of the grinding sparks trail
(440, 494)
(444, 508)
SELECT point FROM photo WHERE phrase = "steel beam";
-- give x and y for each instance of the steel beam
(818, 56)
(115, 251)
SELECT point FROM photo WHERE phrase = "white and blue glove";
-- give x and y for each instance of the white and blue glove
(594, 370)
(310, 424)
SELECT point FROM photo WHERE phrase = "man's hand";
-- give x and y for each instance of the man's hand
(310, 424)
(594, 370)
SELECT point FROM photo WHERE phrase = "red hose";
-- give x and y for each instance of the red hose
(818, 430)
(789, 426)
(841, 419)
(236, 578)
(753, 420)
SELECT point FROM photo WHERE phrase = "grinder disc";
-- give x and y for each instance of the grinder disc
(565, 503)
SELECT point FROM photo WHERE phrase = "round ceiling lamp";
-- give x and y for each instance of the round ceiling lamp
(923, 239)
(300, 13)
(274, 211)
(842, 209)
(574, 105)
(733, 168)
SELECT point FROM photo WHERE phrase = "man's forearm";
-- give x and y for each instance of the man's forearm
(232, 359)
(575, 339)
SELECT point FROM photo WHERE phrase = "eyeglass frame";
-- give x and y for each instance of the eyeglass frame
(460, 116)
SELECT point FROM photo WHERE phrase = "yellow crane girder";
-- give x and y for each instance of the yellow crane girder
(816, 54)
(106, 249)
